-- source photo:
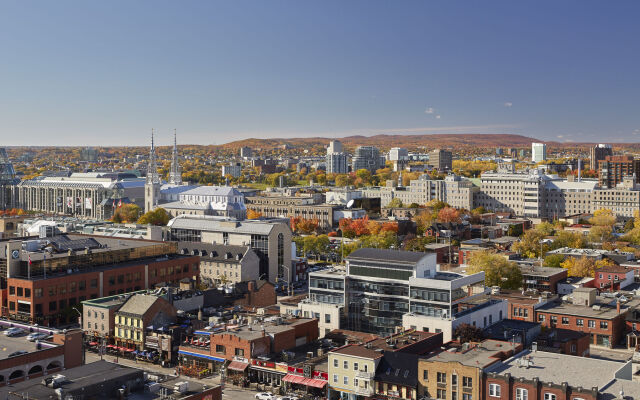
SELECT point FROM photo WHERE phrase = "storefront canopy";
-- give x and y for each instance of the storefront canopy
(300, 380)
(237, 366)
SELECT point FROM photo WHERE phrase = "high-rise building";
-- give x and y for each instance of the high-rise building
(7, 180)
(152, 185)
(598, 153)
(613, 169)
(233, 169)
(336, 158)
(442, 160)
(89, 154)
(538, 152)
(175, 174)
(367, 157)
(398, 154)
(246, 152)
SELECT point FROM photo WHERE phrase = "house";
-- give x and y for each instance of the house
(613, 277)
(397, 376)
(138, 313)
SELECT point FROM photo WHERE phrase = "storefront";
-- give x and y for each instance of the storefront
(198, 365)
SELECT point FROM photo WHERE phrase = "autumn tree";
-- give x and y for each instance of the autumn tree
(498, 271)
(127, 213)
(581, 267)
(395, 203)
(423, 221)
(253, 214)
(468, 333)
(159, 217)
(573, 240)
(554, 260)
(530, 245)
(449, 215)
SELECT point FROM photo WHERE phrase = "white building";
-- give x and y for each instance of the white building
(209, 200)
(538, 152)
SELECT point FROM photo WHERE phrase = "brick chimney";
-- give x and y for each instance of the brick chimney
(618, 306)
(251, 286)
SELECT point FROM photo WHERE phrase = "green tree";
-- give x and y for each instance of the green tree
(497, 269)
(554, 260)
(395, 203)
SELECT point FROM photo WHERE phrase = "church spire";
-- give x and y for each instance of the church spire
(152, 167)
(175, 174)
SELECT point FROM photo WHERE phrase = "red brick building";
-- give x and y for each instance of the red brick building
(522, 307)
(613, 278)
(43, 285)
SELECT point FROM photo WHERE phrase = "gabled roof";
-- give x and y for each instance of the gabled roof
(139, 304)
(398, 367)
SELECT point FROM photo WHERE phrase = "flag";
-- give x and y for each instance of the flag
(119, 203)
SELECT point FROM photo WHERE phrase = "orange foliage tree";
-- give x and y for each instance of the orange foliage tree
(252, 214)
(449, 214)
(303, 225)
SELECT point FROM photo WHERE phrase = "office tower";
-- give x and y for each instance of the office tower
(246, 152)
(367, 157)
(598, 153)
(538, 152)
(441, 159)
(336, 158)
(7, 180)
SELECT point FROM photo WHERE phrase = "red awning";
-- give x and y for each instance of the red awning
(317, 383)
(237, 366)
(93, 343)
(294, 379)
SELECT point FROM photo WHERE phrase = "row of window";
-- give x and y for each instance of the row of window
(495, 390)
(345, 365)
(579, 321)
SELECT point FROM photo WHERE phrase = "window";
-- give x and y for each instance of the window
(454, 380)
(94, 283)
(345, 380)
(466, 396)
(335, 378)
(454, 395)
(240, 352)
(541, 317)
(12, 290)
(345, 364)
(604, 325)
(442, 394)
(220, 349)
(467, 381)
(591, 323)
(327, 318)
(565, 320)
(442, 377)
(522, 394)
(20, 291)
(335, 363)
(82, 285)
(425, 375)
(579, 322)
(38, 293)
(549, 396)
(355, 382)
(355, 366)
(494, 390)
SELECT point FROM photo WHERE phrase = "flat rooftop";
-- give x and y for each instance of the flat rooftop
(553, 367)
(607, 308)
(480, 354)
(401, 340)
(541, 271)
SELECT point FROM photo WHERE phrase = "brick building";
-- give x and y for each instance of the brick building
(522, 306)
(613, 169)
(45, 278)
(613, 278)
(585, 313)
(542, 279)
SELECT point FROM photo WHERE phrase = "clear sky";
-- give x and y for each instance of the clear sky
(106, 72)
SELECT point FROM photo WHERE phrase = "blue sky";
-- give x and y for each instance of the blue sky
(106, 72)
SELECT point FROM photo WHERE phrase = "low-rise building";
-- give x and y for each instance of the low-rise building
(613, 278)
(138, 313)
(221, 263)
(542, 279)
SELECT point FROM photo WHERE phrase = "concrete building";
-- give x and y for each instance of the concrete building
(222, 201)
(294, 207)
(88, 195)
(270, 239)
(442, 160)
(367, 157)
(246, 152)
(538, 152)
(598, 153)
(7, 181)
(234, 170)
(336, 158)
(224, 263)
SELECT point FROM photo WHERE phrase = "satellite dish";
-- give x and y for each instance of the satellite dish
(350, 203)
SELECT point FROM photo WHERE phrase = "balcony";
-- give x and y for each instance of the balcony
(364, 375)
(362, 391)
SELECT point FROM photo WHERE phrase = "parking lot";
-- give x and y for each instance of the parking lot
(9, 345)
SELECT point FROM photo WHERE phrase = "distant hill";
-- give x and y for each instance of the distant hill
(386, 141)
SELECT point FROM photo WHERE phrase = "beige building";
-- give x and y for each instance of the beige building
(352, 371)
(270, 239)
(224, 263)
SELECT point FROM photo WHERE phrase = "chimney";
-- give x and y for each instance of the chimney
(618, 306)
(251, 286)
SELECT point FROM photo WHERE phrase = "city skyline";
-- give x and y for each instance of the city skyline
(103, 75)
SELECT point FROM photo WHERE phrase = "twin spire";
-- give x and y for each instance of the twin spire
(175, 174)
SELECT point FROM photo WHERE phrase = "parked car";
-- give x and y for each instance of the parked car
(18, 353)
(32, 337)
(15, 331)
(265, 396)
(287, 398)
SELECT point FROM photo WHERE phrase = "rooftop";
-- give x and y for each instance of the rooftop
(217, 224)
(576, 371)
(357, 350)
(479, 355)
(604, 311)
(541, 271)
(386, 255)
